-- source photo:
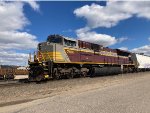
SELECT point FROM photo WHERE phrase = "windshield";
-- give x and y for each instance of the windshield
(54, 39)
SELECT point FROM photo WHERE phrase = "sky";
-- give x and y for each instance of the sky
(116, 24)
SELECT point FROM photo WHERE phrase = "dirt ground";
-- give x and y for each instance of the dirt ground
(15, 94)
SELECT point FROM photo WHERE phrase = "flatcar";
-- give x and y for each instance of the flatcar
(61, 56)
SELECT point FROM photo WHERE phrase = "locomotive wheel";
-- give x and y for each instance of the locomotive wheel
(84, 74)
(71, 74)
(57, 75)
(39, 78)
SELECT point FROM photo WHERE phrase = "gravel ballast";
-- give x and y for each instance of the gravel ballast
(15, 94)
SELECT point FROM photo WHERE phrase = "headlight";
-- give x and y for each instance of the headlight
(46, 76)
(44, 63)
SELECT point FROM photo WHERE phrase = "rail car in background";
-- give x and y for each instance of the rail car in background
(143, 61)
(61, 56)
(13, 74)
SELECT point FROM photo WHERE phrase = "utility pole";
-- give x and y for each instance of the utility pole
(0, 64)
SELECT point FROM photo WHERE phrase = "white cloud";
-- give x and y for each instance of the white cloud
(91, 36)
(108, 16)
(119, 40)
(111, 14)
(17, 40)
(34, 5)
(67, 31)
(143, 49)
(12, 37)
(13, 58)
(123, 48)
(12, 16)
(102, 39)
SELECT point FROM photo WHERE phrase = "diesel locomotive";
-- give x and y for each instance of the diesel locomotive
(61, 56)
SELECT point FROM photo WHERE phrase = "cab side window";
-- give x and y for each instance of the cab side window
(70, 43)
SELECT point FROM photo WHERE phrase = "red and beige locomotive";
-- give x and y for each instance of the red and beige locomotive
(61, 56)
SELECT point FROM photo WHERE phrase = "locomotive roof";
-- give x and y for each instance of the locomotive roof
(60, 36)
(123, 51)
(72, 39)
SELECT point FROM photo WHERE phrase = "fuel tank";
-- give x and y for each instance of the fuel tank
(101, 71)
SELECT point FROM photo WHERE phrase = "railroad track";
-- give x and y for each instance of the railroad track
(10, 83)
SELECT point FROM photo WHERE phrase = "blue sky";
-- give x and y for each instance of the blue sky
(58, 18)
(124, 25)
(55, 18)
